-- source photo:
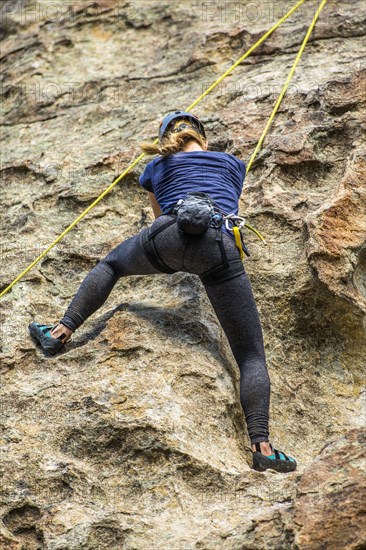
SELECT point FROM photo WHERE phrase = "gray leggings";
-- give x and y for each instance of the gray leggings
(232, 300)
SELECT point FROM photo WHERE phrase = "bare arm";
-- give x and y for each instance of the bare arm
(156, 208)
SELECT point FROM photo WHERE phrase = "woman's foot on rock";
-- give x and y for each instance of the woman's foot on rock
(266, 457)
(51, 343)
(265, 448)
(62, 331)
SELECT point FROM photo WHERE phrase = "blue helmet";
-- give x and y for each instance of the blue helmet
(176, 115)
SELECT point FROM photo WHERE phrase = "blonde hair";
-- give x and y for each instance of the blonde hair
(173, 143)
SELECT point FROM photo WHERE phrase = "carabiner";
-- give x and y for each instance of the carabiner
(237, 221)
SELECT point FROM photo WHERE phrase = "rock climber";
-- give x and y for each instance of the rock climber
(190, 189)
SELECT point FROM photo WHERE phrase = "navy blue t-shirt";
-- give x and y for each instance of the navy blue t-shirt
(221, 175)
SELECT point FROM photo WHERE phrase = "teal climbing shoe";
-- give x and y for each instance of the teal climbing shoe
(278, 461)
(42, 335)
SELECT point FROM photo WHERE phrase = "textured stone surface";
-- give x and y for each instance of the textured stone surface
(134, 437)
(330, 508)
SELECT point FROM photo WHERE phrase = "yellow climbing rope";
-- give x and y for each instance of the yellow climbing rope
(140, 157)
(247, 54)
(274, 111)
(290, 75)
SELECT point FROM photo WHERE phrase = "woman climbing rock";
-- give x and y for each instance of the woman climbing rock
(191, 190)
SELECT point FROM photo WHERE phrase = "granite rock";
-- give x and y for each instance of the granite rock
(133, 437)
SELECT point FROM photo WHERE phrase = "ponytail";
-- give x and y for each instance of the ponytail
(173, 143)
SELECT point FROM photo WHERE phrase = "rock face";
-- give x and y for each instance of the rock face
(134, 437)
(330, 507)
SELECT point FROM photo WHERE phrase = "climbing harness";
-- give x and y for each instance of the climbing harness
(147, 241)
(197, 211)
(225, 271)
(194, 215)
(198, 100)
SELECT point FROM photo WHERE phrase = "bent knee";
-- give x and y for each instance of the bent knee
(108, 266)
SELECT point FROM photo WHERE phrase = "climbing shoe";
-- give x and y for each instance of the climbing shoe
(277, 461)
(41, 333)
